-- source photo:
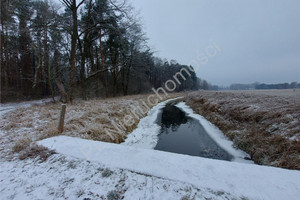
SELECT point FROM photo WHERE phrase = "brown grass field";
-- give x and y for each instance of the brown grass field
(22, 127)
(265, 124)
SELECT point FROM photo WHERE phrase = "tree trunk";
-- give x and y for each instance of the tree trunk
(59, 84)
(46, 63)
(73, 51)
(102, 57)
(92, 59)
(26, 57)
(82, 67)
(6, 58)
(128, 75)
(115, 73)
(4, 24)
(39, 67)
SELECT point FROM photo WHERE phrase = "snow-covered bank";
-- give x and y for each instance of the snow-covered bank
(251, 181)
(216, 134)
(146, 134)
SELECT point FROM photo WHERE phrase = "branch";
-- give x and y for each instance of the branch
(99, 71)
(80, 4)
(87, 29)
(66, 3)
(118, 7)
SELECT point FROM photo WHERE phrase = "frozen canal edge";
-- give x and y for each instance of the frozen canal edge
(146, 134)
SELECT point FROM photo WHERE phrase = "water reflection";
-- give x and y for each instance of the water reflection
(185, 135)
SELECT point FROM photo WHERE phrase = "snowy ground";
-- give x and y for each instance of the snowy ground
(228, 177)
(275, 92)
(7, 107)
(65, 177)
(122, 172)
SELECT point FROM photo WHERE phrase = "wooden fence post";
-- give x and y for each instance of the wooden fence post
(62, 118)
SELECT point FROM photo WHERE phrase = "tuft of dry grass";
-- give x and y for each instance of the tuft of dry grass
(35, 151)
(51, 131)
(261, 125)
(21, 144)
(10, 126)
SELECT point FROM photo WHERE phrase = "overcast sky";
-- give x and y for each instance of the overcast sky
(259, 39)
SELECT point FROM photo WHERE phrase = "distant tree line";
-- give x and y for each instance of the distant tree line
(292, 85)
(79, 48)
(263, 86)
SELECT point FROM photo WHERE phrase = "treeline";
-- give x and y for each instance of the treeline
(292, 85)
(263, 86)
(86, 48)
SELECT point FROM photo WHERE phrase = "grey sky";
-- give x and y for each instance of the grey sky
(260, 39)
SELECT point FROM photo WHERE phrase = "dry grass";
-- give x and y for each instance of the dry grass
(85, 119)
(21, 144)
(10, 126)
(35, 151)
(265, 126)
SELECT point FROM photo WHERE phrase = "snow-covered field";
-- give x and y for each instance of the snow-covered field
(86, 169)
(7, 107)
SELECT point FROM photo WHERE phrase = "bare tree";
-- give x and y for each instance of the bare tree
(73, 6)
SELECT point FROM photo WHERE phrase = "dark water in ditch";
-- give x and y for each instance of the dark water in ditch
(185, 135)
